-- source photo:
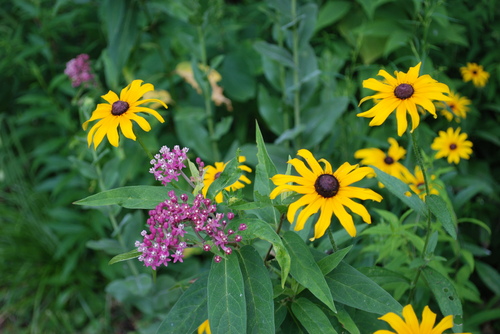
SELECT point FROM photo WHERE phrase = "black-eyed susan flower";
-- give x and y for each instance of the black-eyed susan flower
(403, 93)
(326, 191)
(386, 162)
(476, 73)
(212, 173)
(417, 184)
(409, 324)
(120, 112)
(456, 108)
(452, 145)
(204, 328)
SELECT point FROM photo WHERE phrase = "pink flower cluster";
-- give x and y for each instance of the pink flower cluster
(78, 70)
(168, 164)
(164, 241)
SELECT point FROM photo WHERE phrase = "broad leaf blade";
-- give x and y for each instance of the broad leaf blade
(258, 292)
(132, 197)
(312, 317)
(352, 288)
(125, 256)
(190, 310)
(305, 270)
(226, 298)
(443, 213)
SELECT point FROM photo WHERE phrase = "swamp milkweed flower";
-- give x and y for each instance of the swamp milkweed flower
(456, 107)
(452, 145)
(120, 112)
(212, 173)
(78, 70)
(476, 73)
(386, 162)
(403, 93)
(204, 328)
(411, 325)
(325, 190)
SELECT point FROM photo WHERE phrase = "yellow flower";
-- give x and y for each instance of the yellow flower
(403, 93)
(453, 145)
(120, 112)
(476, 73)
(410, 324)
(456, 107)
(417, 184)
(325, 190)
(204, 328)
(212, 173)
(185, 70)
(387, 163)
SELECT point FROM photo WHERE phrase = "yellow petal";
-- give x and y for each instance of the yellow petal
(292, 209)
(148, 111)
(396, 323)
(141, 121)
(444, 324)
(356, 208)
(311, 161)
(401, 119)
(308, 211)
(112, 132)
(126, 127)
(344, 217)
(324, 220)
(110, 97)
(428, 320)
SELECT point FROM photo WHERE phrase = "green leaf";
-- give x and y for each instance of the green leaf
(259, 229)
(331, 12)
(190, 311)
(110, 246)
(477, 222)
(399, 189)
(305, 270)
(489, 276)
(229, 176)
(446, 296)
(443, 213)
(308, 14)
(125, 256)
(271, 110)
(371, 5)
(312, 317)
(226, 298)
(345, 319)
(330, 262)
(189, 127)
(352, 288)
(258, 292)
(274, 52)
(222, 127)
(132, 197)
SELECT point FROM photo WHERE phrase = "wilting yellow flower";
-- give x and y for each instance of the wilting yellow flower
(212, 173)
(417, 184)
(120, 112)
(388, 163)
(403, 93)
(476, 73)
(325, 191)
(452, 145)
(410, 324)
(456, 107)
(204, 328)
(185, 70)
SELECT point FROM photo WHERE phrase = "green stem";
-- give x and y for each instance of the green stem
(420, 162)
(150, 156)
(206, 94)
(332, 240)
(296, 82)
(111, 216)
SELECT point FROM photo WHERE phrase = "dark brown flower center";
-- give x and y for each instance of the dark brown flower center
(453, 147)
(119, 107)
(404, 91)
(327, 185)
(217, 175)
(388, 160)
(474, 72)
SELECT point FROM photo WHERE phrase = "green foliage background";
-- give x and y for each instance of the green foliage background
(55, 275)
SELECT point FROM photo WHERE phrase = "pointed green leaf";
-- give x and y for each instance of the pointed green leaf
(312, 317)
(258, 292)
(305, 270)
(345, 319)
(229, 176)
(446, 296)
(274, 52)
(400, 189)
(352, 288)
(125, 256)
(443, 213)
(265, 169)
(330, 262)
(226, 297)
(259, 229)
(132, 197)
(190, 311)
